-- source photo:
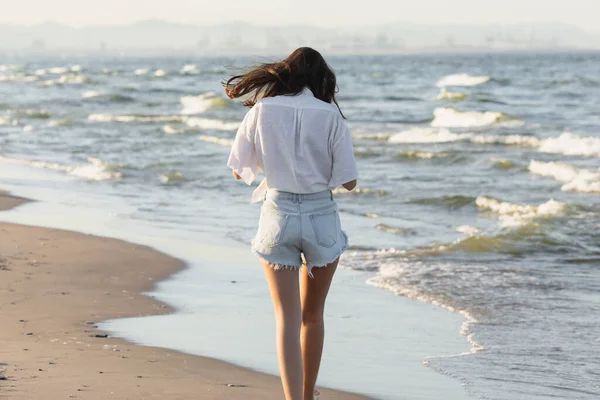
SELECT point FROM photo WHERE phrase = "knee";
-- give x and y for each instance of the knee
(310, 317)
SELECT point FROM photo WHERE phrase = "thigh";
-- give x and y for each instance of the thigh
(314, 290)
(284, 288)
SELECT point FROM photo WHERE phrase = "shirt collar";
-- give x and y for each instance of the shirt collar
(307, 92)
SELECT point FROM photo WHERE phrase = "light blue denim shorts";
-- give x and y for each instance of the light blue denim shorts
(296, 226)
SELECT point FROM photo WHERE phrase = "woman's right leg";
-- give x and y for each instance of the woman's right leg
(285, 292)
(314, 293)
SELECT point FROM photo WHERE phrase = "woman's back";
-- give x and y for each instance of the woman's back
(300, 142)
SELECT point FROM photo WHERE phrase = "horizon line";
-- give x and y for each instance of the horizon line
(242, 22)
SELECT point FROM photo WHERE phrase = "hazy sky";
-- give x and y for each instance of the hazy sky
(583, 13)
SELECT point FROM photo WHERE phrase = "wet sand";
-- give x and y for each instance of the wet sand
(55, 285)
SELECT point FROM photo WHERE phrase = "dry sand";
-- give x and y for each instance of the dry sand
(55, 284)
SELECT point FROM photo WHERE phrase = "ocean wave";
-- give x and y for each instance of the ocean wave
(60, 122)
(360, 191)
(171, 130)
(90, 94)
(365, 153)
(418, 280)
(141, 71)
(567, 143)
(501, 163)
(8, 121)
(70, 78)
(372, 136)
(202, 103)
(428, 135)
(452, 118)
(211, 124)
(450, 202)
(468, 230)
(192, 122)
(31, 114)
(573, 179)
(216, 140)
(161, 72)
(136, 118)
(510, 140)
(173, 178)
(95, 170)
(514, 215)
(462, 80)
(572, 145)
(189, 69)
(396, 231)
(456, 96)
(421, 155)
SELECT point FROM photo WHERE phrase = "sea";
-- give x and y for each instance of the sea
(479, 188)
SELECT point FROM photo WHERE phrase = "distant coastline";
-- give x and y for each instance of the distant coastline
(156, 38)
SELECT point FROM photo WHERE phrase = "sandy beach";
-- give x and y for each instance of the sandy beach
(55, 285)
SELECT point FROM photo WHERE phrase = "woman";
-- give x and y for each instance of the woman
(296, 134)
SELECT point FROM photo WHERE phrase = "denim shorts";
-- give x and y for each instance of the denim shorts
(299, 229)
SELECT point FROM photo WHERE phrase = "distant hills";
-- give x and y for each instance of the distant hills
(152, 37)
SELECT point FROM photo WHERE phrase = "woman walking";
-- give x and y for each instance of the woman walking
(297, 135)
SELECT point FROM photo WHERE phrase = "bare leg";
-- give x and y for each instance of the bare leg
(314, 292)
(285, 292)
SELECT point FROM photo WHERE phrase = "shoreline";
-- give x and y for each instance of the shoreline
(56, 285)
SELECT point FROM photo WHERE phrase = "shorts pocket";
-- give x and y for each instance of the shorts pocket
(326, 227)
(272, 226)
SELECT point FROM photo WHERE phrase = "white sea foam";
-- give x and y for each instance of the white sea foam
(216, 140)
(213, 124)
(90, 94)
(57, 70)
(398, 277)
(446, 95)
(511, 140)
(452, 118)
(136, 118)
(171, 130)
(161, 72)
(8, 121)
(570, 144)
(199, 104)
(172, 177)
(512, 215)
(141, 71)
(191, 69)
(462, 80)
(96, 170)
(468, 230)
(372, 136)
(8, 67)
(422, 155)
(574, 179)
(428, 135)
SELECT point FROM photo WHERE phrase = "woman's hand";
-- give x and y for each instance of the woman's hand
(236, 176)
(350, 185)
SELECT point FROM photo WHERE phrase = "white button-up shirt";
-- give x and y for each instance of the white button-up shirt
(301, 143)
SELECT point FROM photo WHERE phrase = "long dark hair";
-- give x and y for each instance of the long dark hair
(305, 67)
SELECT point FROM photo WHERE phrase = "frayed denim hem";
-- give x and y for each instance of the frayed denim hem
(311, 265)
(275, 264)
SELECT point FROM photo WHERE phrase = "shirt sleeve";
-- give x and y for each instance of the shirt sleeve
(243, 159)
(344, 167)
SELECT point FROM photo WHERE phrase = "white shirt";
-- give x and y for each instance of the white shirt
(302, 144)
